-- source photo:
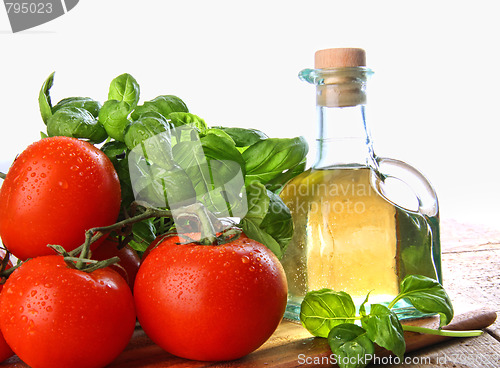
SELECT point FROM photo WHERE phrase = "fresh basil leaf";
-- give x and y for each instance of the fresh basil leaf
(276, 185)
(278, 222)
(321, 310)
(253, 231)
(217, 147)
(117, 152)
(215, 168)
(186, 118)
(258, 203)
(85, 103)
(351, 346)
(124, 88)
(75, 122)
(383, 328)
(244, 137)
(44, 98)
(158, 186)
(219, 133)
(114, 117)
(164, 105)
(144, 234)
(146, 127)
(258, 210)
(269, 158)
(428, 296)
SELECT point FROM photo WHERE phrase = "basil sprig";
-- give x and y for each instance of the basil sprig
(177, 167)
(331, 314)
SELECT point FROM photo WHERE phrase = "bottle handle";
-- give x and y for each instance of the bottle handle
(419, 185)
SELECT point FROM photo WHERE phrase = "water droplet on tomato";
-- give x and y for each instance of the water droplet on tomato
(21, 309)
(28, 168)
(33, 292)
(74, 167)
(251, 268)
(245, 259)
(43, 175)
(47, 285)
(24, 318)
(35, 162)
(49, 309)
(63, 184)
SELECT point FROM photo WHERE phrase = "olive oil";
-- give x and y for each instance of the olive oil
(350, 233)
(346, 232)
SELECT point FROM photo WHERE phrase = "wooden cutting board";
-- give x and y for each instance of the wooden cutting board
(285, 348)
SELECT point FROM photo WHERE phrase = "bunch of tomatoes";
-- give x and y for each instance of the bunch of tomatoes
(204, 302)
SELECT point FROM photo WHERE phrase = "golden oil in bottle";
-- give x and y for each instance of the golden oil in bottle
(349, 236)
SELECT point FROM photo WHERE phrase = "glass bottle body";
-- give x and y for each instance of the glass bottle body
(349, 235)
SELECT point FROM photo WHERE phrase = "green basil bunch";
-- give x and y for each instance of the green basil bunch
(155, 139)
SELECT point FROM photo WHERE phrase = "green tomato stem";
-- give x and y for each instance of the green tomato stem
(95, 233)
(441, 332)
(2, 175)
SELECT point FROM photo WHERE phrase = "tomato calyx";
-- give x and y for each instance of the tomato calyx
(225, 236)
(2, 175)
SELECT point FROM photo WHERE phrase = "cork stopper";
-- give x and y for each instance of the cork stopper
(339, 58)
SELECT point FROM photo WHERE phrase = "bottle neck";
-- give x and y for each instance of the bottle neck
(344, 139)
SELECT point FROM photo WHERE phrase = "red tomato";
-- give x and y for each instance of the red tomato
(5, 350)
(56, 189)
(54, 316)
(129, 259)
(209, 303)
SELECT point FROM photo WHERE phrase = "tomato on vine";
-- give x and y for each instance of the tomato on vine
(210, 302)
(56, 189)
(56, 316)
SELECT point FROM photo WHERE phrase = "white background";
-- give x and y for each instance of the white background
(432, 101)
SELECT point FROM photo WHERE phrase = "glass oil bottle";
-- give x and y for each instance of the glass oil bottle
(362, 222)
